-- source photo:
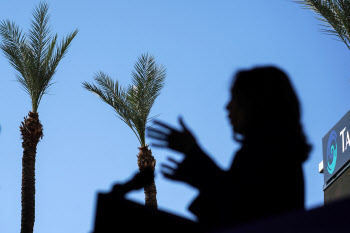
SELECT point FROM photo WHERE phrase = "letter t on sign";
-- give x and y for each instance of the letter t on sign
(342, 138)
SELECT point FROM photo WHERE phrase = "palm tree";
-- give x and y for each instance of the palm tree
(35, 57)
(133, 106)
(335, 15)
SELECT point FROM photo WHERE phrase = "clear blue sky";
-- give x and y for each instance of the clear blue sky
(86, 148)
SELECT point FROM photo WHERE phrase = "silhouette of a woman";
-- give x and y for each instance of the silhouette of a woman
(266, 176)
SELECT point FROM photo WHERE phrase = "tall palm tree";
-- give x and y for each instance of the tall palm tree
(35, 57)
(335, 15)
(133, 106)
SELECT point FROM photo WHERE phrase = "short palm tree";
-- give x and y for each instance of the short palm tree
(335, 15)
(133, 106)
(35, 57)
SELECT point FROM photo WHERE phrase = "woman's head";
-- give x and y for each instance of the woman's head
(263, 99)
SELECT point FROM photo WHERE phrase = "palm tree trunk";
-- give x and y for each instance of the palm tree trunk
(31, 131)
(146, 161)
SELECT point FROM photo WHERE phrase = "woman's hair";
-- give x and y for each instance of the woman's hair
(270, 106)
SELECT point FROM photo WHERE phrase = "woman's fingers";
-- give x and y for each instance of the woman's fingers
(152, 130)
(164, 145)
(170, 170)
(167, 167)
(170, 159)
(168, 137)
(158, 137)
(159, 123)
(183, 124)
(169, 176)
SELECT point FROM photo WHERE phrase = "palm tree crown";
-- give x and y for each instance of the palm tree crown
(133, 104)
(335, 15)
(35, 55)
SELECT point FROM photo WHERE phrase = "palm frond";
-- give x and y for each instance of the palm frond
(35, 57)
(335, 16)
(147, 81)
(39, 34)
(114, 95)
(13, 42)
(132, 105)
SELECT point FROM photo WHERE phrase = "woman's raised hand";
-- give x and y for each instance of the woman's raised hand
(196, 166)
(182, 141)
(166, 136)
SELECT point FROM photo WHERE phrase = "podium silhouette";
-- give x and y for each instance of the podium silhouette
(116, 214)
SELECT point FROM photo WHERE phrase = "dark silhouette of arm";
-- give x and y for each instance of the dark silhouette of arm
(140, 180)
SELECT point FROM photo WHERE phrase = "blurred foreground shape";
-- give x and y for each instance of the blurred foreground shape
(116, 214)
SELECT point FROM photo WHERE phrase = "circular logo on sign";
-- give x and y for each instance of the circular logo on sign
(332, 152)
